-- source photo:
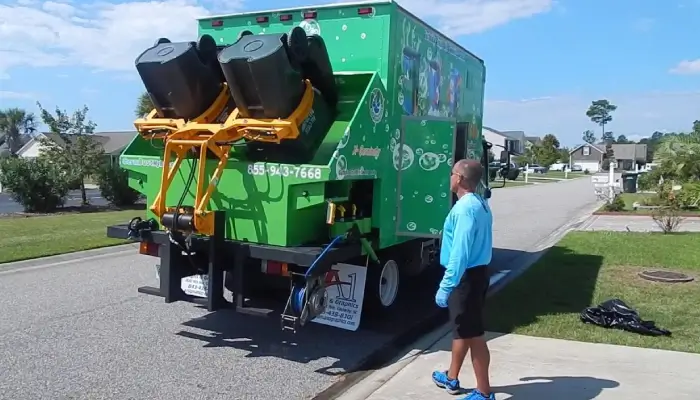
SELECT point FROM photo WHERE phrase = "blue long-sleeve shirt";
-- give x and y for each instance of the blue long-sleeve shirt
(467, 239)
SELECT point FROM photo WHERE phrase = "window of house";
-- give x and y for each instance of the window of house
(586, 151)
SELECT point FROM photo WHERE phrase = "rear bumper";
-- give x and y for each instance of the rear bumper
(302, 255)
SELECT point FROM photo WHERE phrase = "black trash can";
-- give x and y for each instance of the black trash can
(629, 182)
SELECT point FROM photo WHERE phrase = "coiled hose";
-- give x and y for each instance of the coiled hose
(299, 291)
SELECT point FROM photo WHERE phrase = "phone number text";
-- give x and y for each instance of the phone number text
(285, 171)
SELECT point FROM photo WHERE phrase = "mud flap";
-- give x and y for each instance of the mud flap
(345, 284)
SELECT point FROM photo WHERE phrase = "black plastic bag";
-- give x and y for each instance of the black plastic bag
(618, 315)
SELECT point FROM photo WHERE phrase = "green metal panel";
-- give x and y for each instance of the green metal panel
(425, 159)
(429, 76)
(354, 42)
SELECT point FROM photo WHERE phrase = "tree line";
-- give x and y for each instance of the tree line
(68, 158)
(601, 112)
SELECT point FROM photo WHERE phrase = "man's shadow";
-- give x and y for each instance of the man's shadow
(557, 387)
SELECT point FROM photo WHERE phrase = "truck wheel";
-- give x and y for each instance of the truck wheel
(383, 286)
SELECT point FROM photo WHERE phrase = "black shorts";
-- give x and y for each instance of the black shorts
(466, 303)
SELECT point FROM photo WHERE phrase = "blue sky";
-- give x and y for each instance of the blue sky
(546, 60)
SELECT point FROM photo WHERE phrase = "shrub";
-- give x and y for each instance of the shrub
(649, 180)
(689, 195)
(586, 171)
(114, 186)
(35, 183)
(667, 218)
(616, 205)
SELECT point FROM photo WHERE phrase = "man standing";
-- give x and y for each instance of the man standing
(465, 253)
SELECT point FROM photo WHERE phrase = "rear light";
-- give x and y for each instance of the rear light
(286, 17)
(262, 20)
(272, 267)
(148, 249)
(217, 23)
(310, 15)
(365, 11)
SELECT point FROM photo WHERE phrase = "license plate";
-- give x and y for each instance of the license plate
(196, 285)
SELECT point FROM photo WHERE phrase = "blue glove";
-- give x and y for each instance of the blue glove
(441, 297)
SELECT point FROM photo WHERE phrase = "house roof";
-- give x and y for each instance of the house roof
(633, 151)
(533, 139)
(516, 135)
(23, 139)
(630, 151)
(593, 146)
(111, 142)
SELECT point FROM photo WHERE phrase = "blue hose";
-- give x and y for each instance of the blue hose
(323, 253)
(299, 292)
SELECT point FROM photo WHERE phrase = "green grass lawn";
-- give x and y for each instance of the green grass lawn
(631, 198)
(536, 179)
(587, 268)
(562, 175)
(40, 236)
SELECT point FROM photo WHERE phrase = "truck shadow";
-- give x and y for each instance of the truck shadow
(561, 282)
(338, 351)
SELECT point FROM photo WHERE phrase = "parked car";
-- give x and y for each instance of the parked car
(576, 168)
(558, 167)
(535, 169)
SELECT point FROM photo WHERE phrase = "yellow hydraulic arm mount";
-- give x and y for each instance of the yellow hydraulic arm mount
(217, 138)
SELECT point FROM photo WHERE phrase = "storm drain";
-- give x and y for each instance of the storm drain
(665, 276)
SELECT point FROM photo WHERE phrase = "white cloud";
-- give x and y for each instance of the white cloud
(103, 36)
(637, 114)
(464, 17)
(9, 95)
(109, 36)
(687, 67)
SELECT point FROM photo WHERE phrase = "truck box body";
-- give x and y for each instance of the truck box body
(421, 73)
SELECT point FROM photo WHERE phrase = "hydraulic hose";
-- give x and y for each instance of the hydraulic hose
(299, 291)
(323, 253)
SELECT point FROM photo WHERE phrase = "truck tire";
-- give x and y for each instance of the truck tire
(383, 287)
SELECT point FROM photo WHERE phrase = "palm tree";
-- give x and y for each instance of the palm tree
(671, 146)
(14, 123)
(680, 154)
(144, 105)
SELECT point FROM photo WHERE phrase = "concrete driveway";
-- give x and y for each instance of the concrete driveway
(75, 327)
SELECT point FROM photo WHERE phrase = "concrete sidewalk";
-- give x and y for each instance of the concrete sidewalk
(635, 223)
(528, 368)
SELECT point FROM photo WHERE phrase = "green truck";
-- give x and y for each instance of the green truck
(309, 147)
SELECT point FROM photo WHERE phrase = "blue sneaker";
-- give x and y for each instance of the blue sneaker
(477, 395)
(442, 381)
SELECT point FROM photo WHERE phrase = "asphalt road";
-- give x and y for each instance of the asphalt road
(81, 331)
(74, 198)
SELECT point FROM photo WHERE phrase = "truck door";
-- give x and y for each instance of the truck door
(424, 159)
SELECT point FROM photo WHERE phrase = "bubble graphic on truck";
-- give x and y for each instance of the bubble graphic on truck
(310, 26)
(403, 157)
